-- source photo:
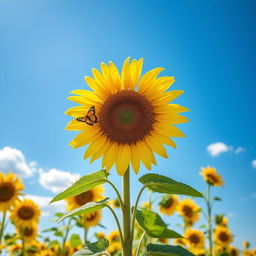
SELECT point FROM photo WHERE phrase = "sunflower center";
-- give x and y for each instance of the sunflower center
(26, 212)
(126, 117)
(7, 191)
(28, 231)
(84, 198)
(233, 252)
(168, 203)
(92, 216)
(188, 211)
(212, 179)
(223, 237)
(194, 239)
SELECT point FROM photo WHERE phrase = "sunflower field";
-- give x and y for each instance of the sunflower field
(125, 120)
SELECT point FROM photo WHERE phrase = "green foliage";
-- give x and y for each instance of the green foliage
(163, 184)
(87, 208)
(84, 184)
(75, 240)
(95, 249)
(167, 250)
(153, 225)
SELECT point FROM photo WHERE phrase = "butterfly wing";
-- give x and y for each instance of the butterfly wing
(90, 118)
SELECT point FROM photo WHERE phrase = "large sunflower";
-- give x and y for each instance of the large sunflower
(10, 188)
(223, 236)
(195, 238)
(211, 176)
(132, 118)
(92, 219)
(25, 213)
(189, 210)
(168, 204)
(93, 195)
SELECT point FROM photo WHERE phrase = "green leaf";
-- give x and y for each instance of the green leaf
(50, 230)
(58, 233)
(167, 250)
(153, 225)
(95, 249)
(84, 184)
(163, 184)
(75, 240)
(53, 243)
(87, 208)
(217, 198)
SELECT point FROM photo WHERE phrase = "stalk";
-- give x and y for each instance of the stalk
(209, 219)
(23, 246)
(126, 214)
(65, 237)
(2, 227)
(85, 236)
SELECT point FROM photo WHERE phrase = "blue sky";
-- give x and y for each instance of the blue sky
(46, 47)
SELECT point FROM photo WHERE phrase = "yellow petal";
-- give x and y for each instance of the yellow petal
(163, 139)
(90, 96)
(101, 151)
(164, 83)
(77, 111)
(135, 158)
(81, 100)
(125, 75)
(144, 154)
(94, 146)
(115, 76)
(156, 146)
(74, 125)
(148, 79)
(166, 97)
(123, 159)
(108, 159)
(168, 130)
(97, 88)
(172, 118)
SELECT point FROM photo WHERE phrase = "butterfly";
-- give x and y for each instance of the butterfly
(90, 118)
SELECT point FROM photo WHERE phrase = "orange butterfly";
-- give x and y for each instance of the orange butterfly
(90, 118)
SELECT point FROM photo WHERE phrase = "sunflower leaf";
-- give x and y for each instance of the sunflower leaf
(94, 249)
(153, 225)
(87, 208)
(84, 184)
(167, 250)
(163, 184)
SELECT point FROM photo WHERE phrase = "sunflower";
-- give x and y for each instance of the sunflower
(253, 252)
(189, 210)
(15, 248)
(100, 235)
(115, 203)
(127, 116)
(168, 204)
(246, 244)
(233, 251)
(25, 213)
(114, 248)
(10, 188)
(223, 236)
(29, 234)
(147, 205)
(198, 251)
(195, 238)
(92, 219)
(114, 236)
(164, 240)
(92, 195)
(211, 176)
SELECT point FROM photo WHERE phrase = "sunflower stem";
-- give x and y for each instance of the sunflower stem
(2, 227)
(140, 243)
(65, 237)
(85, 236)
(209, 219)
(23, 247)
(126, 212)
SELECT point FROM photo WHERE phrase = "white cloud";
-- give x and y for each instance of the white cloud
(239, 150)
(217, 148)
(13, 160)
(254, 163)
(46, 208)
(57, 180)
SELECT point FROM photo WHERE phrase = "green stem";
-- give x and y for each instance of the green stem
(23, 247)
(117, 192)
(209, 219)
(2, 226)
(85, 235)
(118, 224)
(140, 243)
(66, 236)
(135, 210)
(126, 214)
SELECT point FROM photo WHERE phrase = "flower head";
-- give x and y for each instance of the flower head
(168, 204)
(25, 213)
(127, 118)
(29, 234)
(195, 238)
(211, 176)
(223, 236)
(10, 188)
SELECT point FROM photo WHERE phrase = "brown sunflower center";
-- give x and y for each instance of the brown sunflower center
(194, 239)
(188, 211)
(7, 191)
(223, 237)
(84, 198)
(168, 203)
(212, 179)
(26, 212)
(28, 231)
(233, 252)
(92, 216)
(126, 117)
